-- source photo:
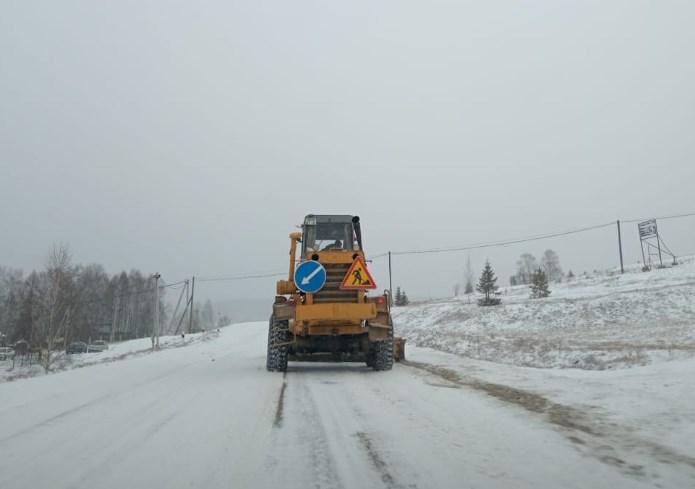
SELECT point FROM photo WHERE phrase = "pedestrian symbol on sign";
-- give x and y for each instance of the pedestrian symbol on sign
(358, 277)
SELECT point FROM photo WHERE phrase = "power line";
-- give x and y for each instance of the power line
(380, 255)
(240, 277)
(689, 214)
(492, 244)
(180, 282)
(501, 243)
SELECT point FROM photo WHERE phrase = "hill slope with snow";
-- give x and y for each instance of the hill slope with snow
(606, 320)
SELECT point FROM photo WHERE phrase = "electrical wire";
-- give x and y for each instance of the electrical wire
(675, 216)
(240, 277)
(380, 255)
(174, 285)
(492, 244)
(500, 243)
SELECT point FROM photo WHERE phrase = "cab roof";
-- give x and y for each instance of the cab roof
(321, 218)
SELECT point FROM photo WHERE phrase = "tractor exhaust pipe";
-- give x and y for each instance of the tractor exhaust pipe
(358, 230)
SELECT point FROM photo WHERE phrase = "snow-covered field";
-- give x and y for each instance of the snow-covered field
(602, 321)
(116, 351)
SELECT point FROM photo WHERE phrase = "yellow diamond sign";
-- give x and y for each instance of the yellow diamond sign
(358, 277)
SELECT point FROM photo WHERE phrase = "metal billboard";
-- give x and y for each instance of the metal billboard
(647, 229)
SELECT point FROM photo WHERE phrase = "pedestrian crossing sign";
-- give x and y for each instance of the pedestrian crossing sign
(358, 277)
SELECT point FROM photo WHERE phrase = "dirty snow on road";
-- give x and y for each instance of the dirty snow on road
(209, 415)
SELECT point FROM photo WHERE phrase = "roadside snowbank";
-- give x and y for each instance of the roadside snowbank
(645, 411)
(603, 321)
(116, 351)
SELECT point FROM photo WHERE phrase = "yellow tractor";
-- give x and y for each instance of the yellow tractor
(323, 311)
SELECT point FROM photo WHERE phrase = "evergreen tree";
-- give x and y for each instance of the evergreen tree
(539, 287)
(487, 286)
(401, 297)
(570, 275)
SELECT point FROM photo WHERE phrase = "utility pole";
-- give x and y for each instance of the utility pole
(658, 246)
(620, 248)
(390, 283)
(190, 313)
(641, 245)
(176, 310)
(188, 299)
(155, 328)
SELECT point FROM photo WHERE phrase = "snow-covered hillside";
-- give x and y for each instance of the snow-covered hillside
(604, 320)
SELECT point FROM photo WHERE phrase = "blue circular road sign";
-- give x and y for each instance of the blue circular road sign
(310, 276)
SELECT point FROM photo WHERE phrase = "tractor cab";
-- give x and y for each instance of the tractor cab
(330, 233)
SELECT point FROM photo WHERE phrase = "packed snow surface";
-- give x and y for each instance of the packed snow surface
(208, 415)
(598, 321)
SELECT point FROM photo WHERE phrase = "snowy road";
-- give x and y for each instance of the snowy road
(210, 416)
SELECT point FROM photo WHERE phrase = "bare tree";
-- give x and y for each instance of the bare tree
(11, 287)
(91, 316)
(207, 316)
(468, 276)
(526, 267)
(53, 321)
(550, 263)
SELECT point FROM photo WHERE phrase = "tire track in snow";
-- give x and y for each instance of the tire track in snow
(378, 462)
(300, 446)
(352, 438)
(322, 435)
(277, 422)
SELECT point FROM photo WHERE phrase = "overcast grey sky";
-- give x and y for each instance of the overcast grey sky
(190, 137)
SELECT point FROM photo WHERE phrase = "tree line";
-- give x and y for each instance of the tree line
(527, 266)
(536, 274)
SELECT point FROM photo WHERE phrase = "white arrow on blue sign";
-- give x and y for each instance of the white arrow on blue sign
(310, 276)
